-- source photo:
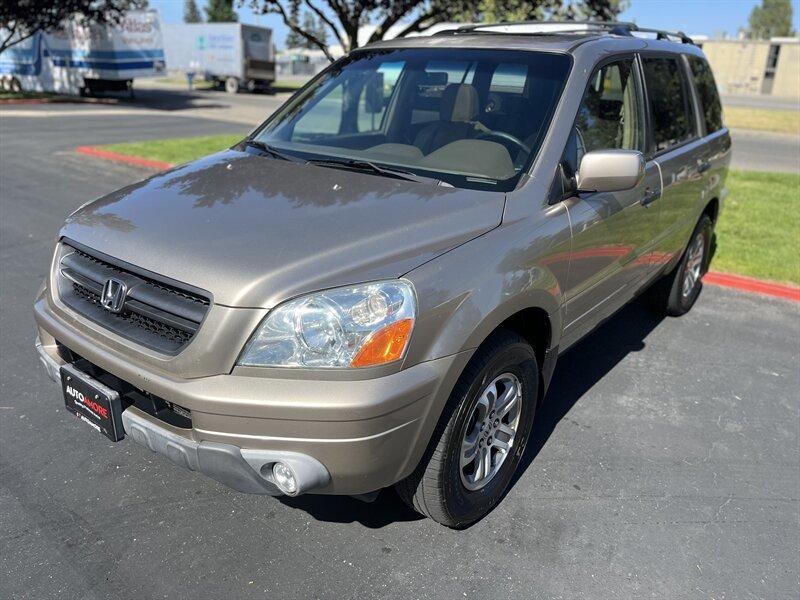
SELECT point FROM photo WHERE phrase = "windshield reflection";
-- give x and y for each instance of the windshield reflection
(472, 118)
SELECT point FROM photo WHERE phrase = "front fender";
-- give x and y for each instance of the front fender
(468, 292)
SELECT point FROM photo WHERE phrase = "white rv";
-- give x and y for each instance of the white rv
(80, 59)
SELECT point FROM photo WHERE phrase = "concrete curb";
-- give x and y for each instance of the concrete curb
(736, 282)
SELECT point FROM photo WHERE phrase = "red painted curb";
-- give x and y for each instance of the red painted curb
(756, 286)
(5, 101)
(124, 158)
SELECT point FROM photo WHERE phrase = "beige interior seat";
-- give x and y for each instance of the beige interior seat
(457, 118)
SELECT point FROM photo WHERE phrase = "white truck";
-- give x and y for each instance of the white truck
(232, 55)
(81, 59)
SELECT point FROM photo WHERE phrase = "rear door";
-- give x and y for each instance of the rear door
(715, 153)
(675, 144)
(612, 232)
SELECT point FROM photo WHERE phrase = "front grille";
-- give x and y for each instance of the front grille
(170, 334)
(156, 314)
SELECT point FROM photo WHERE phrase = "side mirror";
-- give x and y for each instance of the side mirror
(610, 170)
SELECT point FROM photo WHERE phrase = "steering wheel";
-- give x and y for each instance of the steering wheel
(502, 135)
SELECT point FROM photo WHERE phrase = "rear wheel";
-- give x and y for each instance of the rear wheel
(481, 436)
(678, 291)
(232, 85)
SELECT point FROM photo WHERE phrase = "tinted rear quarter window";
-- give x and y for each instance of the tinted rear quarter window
(510, 78)
(670, 104)
(707, 92)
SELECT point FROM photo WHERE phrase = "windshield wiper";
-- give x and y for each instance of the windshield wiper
(371, 167)
(266, 148)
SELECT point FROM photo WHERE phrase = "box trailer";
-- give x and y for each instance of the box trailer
(85, 59)
(232, 55)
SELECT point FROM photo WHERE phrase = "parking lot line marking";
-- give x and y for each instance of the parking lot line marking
(756, 286)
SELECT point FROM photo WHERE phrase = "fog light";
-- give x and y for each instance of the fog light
(284, 478)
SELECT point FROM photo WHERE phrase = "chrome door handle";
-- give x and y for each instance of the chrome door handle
(703, 166)
(650, 195)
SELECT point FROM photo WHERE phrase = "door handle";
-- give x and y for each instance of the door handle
(650, 195)
(703, 166)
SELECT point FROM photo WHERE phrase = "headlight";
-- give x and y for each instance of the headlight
(359, 326)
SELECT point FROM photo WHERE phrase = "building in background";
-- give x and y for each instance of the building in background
(769, 67)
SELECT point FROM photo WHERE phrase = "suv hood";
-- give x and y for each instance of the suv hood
(254, 231)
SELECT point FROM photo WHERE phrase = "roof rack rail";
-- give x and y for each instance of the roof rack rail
(624, 28)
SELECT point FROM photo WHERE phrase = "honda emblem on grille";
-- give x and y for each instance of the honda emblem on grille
(114, 292)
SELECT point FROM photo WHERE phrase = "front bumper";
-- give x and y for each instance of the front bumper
(343, 436)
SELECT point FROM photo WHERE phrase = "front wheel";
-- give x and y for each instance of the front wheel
(678, 291)
(481, 436)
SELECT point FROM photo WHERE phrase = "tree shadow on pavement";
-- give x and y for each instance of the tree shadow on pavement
(576, 373)
(172, 100)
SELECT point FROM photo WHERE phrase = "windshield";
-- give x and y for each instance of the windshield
(471, 118)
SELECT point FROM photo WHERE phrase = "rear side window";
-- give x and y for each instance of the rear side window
(509, 78)
(670, 105)
(707, 92)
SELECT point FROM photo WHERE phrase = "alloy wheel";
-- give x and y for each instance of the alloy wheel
(694, 265)
(491, 431)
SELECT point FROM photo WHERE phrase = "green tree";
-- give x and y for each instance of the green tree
(294, 39)
(220, 11)
(23, 19)
(772, 19)
(495, 11)
(309, 24)
(191, 14)
(342, 18)
(320, 32)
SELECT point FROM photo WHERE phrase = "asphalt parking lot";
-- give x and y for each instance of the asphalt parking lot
(665, 464)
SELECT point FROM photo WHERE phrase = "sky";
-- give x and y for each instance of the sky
(693, 17)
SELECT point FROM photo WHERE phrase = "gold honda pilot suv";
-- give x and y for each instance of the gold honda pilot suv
(374, 287)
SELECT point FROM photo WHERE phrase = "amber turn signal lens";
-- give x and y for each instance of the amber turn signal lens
(385, 345)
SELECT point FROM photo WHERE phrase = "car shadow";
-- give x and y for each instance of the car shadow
(586, 363)
(577, 372)
(387, 508)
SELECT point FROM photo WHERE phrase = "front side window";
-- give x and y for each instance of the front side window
(471, 118)
(610, 117)
(670, 105)
(707, 92)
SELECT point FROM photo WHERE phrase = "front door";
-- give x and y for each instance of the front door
(612, 232)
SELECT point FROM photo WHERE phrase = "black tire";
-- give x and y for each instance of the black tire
(435, 488)
(232, 85)
(668, 294)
